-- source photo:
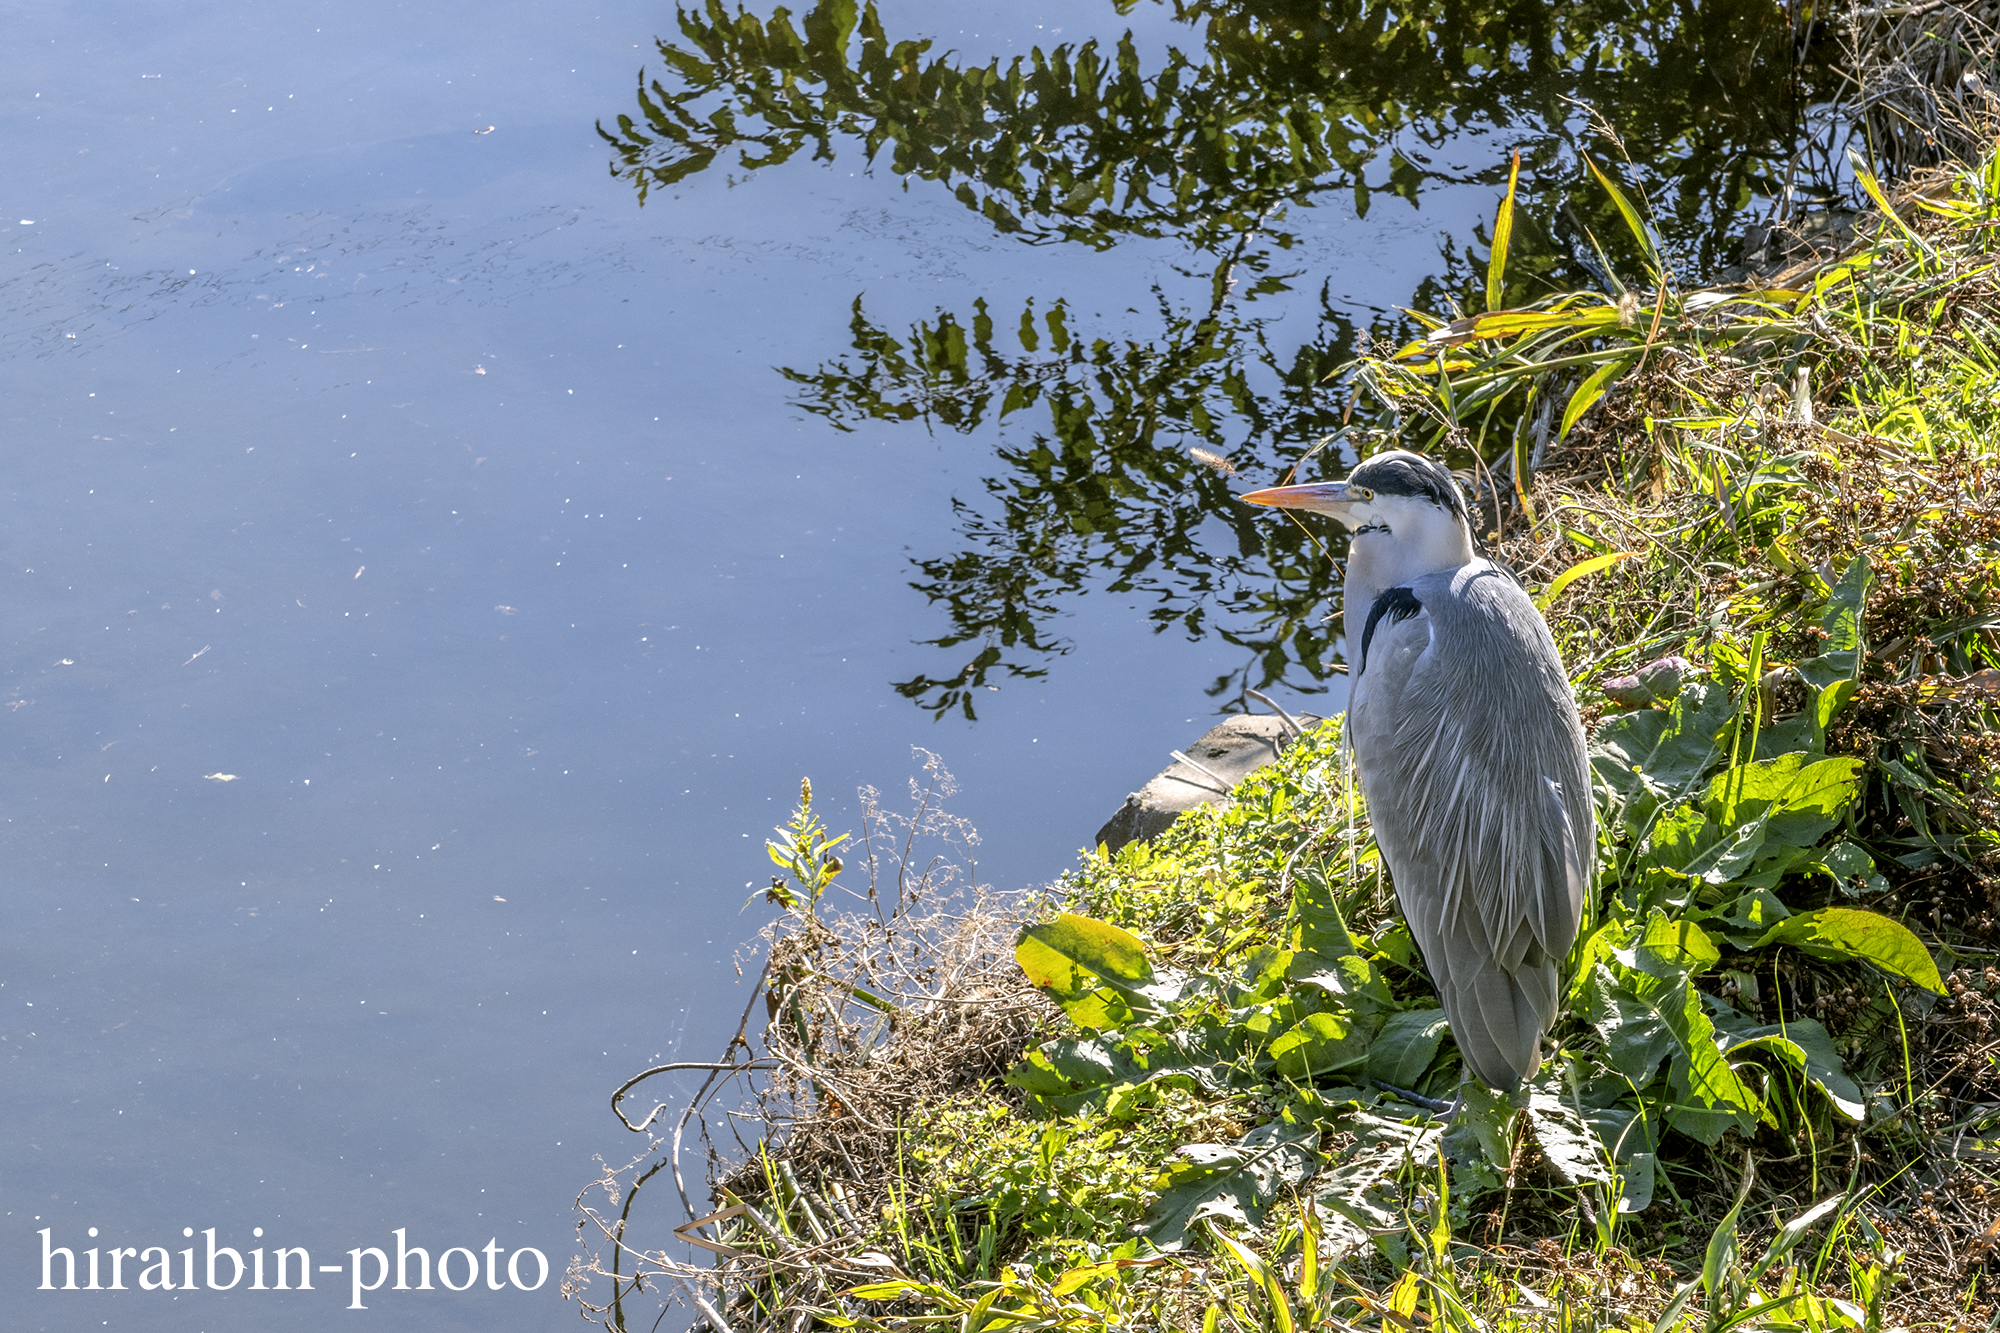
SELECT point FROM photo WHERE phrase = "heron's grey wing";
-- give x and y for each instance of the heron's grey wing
(1472, 758)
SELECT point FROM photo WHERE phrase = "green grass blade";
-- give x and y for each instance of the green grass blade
(1676, 1307)
(1874, 188)
(1588, 392)
(1637, 225)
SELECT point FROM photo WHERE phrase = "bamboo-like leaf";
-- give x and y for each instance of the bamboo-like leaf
(1239, 1181)
(1507, 323)
(1717, 1263)
(1793, 1232)
(1640, 231)
(1403, 1298)
(890, 1290)
(1260, 1273)
(1503, 233)
(1874, 188)
(1309, 1253)
(1588, 392)
(1672, 1314)
(1754, 1311)
(1581, 570)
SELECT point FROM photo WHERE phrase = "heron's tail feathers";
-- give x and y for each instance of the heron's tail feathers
(1498, 1018)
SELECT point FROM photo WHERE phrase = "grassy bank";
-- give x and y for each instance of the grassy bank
(1765, 528)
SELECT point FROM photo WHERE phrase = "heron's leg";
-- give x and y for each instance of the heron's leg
(1431, 1104)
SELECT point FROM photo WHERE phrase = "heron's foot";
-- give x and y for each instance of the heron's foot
(1431, 1104)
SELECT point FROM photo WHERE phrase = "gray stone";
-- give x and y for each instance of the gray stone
(1232, 750)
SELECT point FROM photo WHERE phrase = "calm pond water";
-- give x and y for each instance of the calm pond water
(439, 534)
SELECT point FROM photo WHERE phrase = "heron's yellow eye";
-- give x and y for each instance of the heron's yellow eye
(1360, 493)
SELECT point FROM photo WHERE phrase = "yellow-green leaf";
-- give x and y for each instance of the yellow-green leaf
(1874, 188)
(1581, 570)
(1062, 955)
(1850, 932)
(1503, 232)
(1260, 1273)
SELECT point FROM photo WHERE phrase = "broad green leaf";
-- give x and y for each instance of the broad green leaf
(1688, 843)
(1666, 749)
(1797, 798)
(1061, 956)
(1710, 1095)
(1238, 1181)
(1598, 942)
(1670, 949)
(1484, 1120)
(1840, 653)
(1317, 923)
(1101, 1010)
(1630, 1142)
(1635, 1040)
(1263, 976)
(1358, 1191)
(1731, 662)
(1773, 863)
(1322, 1043)
(1747, 916)
(1070, 1065)
(1405, 1046)
(1850, 866)
(1803, 1043)
(1395, 944)
(1068, 1076)
(1850, 932)
(1635, 1182)
(1351, 977)
(1569, 1145)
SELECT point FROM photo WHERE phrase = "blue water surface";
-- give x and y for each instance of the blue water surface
(421, 598)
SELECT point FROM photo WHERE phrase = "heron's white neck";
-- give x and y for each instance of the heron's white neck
(1397, 539)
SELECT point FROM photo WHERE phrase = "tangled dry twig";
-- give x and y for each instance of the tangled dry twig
(873, 1014)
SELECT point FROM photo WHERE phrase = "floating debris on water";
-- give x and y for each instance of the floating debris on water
(1220, 462)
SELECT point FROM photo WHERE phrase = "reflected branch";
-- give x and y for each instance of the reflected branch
(1224, 144)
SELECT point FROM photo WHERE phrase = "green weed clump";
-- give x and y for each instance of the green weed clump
(1764, 525)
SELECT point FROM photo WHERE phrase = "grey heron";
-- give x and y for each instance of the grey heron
(1469, 751)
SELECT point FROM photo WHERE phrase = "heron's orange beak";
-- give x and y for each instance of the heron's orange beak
(1321, 497)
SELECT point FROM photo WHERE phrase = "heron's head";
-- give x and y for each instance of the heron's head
(1393, 492)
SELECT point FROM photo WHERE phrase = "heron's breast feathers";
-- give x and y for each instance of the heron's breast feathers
(1472, 758)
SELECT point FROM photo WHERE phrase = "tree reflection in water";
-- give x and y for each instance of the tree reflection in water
(1222, 148)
